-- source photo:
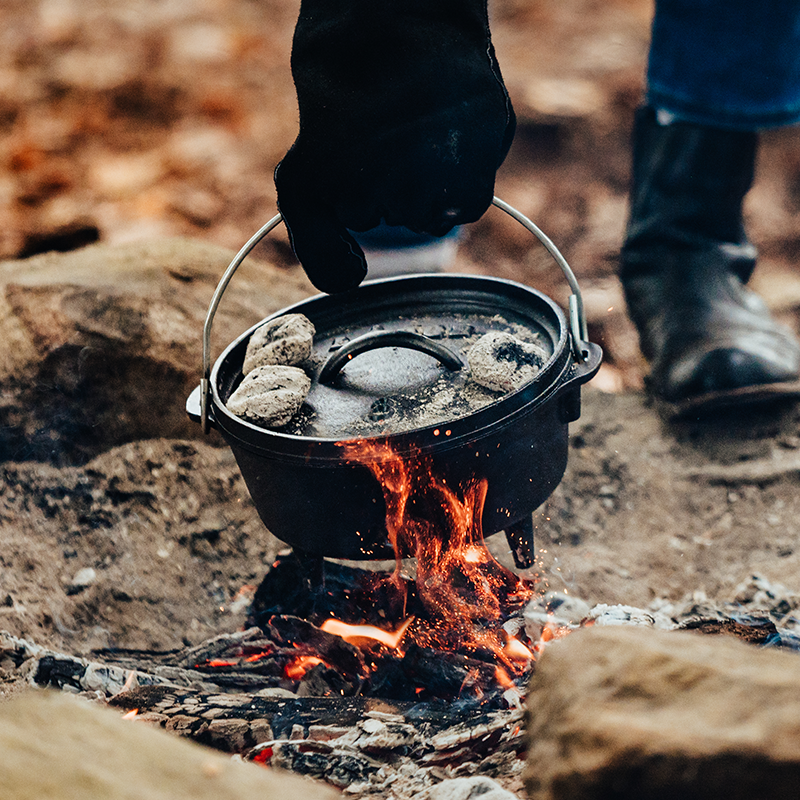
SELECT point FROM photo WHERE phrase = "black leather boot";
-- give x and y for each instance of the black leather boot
(685, 263)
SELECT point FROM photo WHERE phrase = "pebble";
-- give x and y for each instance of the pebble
(83, 578)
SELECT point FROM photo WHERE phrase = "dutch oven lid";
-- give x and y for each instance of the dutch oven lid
(391, 356)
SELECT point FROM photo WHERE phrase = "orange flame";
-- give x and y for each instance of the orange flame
(458, 580)
(355, 633)
(516, 650)
(503, 678)
(474, 555)
(298, 667)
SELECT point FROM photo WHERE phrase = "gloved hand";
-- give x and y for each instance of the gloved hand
(403, 117)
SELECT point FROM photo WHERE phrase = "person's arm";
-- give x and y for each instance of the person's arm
(403, 117)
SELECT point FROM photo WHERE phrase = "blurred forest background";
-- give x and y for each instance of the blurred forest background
(123, 120)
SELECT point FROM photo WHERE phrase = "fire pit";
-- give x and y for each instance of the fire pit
(350, 477)
(225, 693)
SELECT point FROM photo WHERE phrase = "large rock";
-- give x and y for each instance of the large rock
(475, 788)
(636, 713)
(54, 746)
(103, 345)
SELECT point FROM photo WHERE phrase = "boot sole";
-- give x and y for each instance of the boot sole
(705, 404)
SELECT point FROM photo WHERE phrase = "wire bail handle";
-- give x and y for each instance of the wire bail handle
(577, 315)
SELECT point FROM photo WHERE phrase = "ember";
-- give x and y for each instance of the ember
(296, 669)
(438, 635)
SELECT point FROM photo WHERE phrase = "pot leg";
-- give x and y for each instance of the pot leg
(520, 539)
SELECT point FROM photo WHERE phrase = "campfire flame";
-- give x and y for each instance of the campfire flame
(355, 634)
(464, 590)
(298, 667)
(452, 631)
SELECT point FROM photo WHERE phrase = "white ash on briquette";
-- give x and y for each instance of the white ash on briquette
(497, 362)
(270, 395)
(274, 385)
(503, 362)
(285, 340)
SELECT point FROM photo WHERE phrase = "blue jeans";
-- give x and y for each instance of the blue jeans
(726, 63)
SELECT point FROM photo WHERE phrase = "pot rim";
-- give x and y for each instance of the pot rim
(560, 371)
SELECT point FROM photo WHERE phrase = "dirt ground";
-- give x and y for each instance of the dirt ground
(176, 130)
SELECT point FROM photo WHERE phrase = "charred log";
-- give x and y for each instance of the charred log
(310, 640)
(752, 629)
(347, 593)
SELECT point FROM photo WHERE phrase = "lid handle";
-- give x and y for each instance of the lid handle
(376, 339)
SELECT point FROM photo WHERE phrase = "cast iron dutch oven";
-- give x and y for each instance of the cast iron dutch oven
(382, 350)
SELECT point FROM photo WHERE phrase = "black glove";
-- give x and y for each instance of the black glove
(403, 118)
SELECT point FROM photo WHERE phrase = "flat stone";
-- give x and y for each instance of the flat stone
(633, 712)
(92, 753)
